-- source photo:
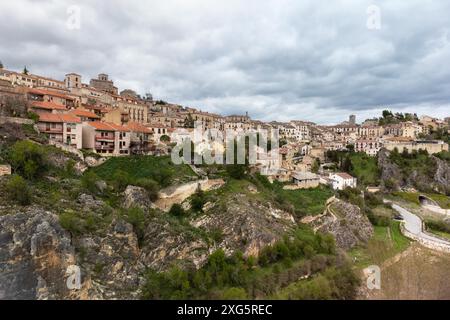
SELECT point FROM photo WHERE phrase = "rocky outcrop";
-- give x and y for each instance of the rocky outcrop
(136, 197)
(165, 244)
(442, 175)
(389, 171)
(245, 224)
(109, 263)
(177, 194)
(346, 223)
(35, 253)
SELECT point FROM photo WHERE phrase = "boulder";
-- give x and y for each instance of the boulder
(136, 197)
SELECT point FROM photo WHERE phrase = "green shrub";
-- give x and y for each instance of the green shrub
(28, 159)
(234, 294)
(18, 190)
(198, 200)
(121, 179)
(150, 186)
(177, 210)
(89, 182)
(71, 222)
(236, 171)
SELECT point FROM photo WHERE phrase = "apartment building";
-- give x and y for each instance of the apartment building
(61, 128)
(85, 115)
(140, 138)
(107, 139)
(57, 98)
(369, 146)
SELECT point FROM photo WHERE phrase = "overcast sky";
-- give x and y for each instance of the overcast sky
(278, 60)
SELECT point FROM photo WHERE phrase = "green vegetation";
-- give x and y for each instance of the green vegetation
(300, 254)
(28, 159)
(413, 197)
(390, 118)
(438, 227)
(177, 210)
(18, 190)
(158, 169)
(304, 201)
(359, 165)
(386, 243)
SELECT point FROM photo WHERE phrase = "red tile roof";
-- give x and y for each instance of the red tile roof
(60, 118)
(107, 126)
(84, 113)
(47, 105)
(103, 126)
(137, 127)
(49, 93)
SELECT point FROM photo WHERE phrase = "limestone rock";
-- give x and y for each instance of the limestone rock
(136, 197)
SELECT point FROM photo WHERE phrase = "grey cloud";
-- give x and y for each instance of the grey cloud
(277, 59)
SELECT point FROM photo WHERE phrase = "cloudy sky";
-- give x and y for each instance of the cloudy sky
(276, 59)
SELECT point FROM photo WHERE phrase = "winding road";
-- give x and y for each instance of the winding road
(414, 226)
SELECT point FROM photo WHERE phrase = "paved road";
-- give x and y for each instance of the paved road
(413, 224)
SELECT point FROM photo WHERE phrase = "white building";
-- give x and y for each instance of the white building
(342, 180)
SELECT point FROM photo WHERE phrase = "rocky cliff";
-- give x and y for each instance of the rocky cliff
(434, 175)
(346, 223)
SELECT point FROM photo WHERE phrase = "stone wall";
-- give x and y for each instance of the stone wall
(67, 148)
(15, 120)
(426, 243)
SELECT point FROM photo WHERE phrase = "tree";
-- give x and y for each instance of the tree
(236, 171)
(189, 121)
(177, 210)
(18, 190)
(198, 200)
(120, 180)
(28, 159)
(25, 70)
(1, 65)
(234, 294)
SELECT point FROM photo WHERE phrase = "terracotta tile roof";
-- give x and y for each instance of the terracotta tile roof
(49, 93)
(47, 105)
(107, 126)
(70, 118)
(118, 128)
(103, 126)
(60, 118)
(84, 113)
(137, 127)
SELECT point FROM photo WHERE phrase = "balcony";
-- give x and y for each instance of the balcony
(104, 138)
(51, 130)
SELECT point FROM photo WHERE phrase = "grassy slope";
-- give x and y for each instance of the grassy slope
(148, 167)
(386, 243)
(365, 168)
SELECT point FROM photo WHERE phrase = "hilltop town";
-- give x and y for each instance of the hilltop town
(96, 117)
(90, 193)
